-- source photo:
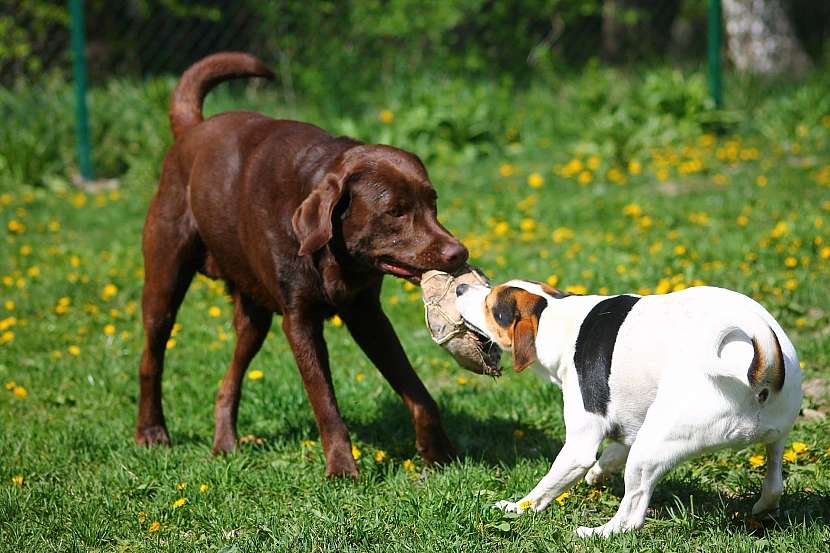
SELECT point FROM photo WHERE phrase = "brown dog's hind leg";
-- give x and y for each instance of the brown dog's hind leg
(171, 252)
(251, 322)
(305, 335)
(373, 332)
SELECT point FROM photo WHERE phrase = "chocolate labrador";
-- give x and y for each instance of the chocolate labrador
(299, 223)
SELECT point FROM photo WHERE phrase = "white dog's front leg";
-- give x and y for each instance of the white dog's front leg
(576, 457)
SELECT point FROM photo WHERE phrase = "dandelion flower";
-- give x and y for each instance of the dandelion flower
(790, 456)
(462, 380)
(17, 480)
(180, 502)
(506, 169)
(380, 455)
(561, 499)
(20, 392)
(203, 488)
(214, 311)
(525, 505)
(757, 461)
(535, 180)
(74, 350)
(408, 465)
(142, 516)
(356, 453)
(181, 485)
(337, 321)
(255, 375)
(154, 527)
(800, 447)
(386, 116)
(360, 377)
(109, 329)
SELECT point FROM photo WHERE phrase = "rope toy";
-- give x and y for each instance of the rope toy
(446, 326)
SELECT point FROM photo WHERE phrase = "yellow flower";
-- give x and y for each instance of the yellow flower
(337, 321)
(20, 392)
(800, 447)
(527, 225)
(462, 380)
(634, 167)
(74, 350)
(360, 377)
(154, 527)
(518, 433)
(25, 249)
(553, 280)
(577, 289)
(142, 516)
(9, 304)
(214, 311)
(11, 385)
(761, 180)
(584, 177)
(505, 169)
(16, 226)
(408, 465)
(790, 456)
(256, 374)
(386, 116)
(171, 343)
(356, 452)
(501, 229)
(17, 480)
(33, 271)
(525, 505)
(825, 252)
(203, 488)
(781, 228)
(634, 210)
(109, 329)
(179, 502)
(791, 262)
(757, 461)
(380, 456)
(561, 499)
(535, 180)
(6, 337)
(181, 485)
(742, 220)
(561, 234)
(679, 249)
(109, 291)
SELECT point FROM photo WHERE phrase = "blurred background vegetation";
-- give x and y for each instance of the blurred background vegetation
(463, 78)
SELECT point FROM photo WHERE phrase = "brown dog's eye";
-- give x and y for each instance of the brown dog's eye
(397, 211)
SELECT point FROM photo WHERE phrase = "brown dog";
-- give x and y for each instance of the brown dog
(296, 222)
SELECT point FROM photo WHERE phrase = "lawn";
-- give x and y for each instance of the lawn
(595, 192)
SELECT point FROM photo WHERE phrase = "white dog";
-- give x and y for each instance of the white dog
(663, 377)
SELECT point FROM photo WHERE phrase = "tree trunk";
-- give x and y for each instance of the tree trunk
(761, 39)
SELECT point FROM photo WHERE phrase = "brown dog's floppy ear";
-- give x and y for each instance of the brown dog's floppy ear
(524, 344)
(312, 220)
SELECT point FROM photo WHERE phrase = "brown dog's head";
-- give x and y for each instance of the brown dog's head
(507, 314)
(379, 201)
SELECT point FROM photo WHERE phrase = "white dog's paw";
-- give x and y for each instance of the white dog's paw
(587, 532)
(508, 507)
(595, 476)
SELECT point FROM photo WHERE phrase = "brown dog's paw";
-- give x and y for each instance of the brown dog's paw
(341, 464)
(223, 443)
(437, 450)
(152, 435)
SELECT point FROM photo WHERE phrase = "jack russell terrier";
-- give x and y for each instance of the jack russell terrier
(663, 377)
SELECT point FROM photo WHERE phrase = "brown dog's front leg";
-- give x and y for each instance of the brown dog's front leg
(305, 334)
(373, 332)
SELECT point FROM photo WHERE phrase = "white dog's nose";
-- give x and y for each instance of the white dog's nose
(461, 289)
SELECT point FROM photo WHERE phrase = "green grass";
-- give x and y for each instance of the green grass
(693, 213)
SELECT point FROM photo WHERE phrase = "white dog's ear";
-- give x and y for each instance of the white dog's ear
(524, 343)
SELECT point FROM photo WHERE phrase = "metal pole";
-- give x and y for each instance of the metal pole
(76, 9)
(715, 83)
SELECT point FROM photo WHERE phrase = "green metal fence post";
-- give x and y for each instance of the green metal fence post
(715, 84)
(76, 9)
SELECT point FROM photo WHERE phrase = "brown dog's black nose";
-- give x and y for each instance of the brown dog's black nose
(454, 254)
(461, 288)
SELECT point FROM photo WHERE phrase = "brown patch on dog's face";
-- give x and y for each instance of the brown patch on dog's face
(512, 316)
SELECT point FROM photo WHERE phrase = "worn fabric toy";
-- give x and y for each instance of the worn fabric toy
(471, 350)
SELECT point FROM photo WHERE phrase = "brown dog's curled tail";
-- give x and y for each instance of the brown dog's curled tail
(201, 77)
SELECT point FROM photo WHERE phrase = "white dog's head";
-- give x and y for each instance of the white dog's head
(507, 314)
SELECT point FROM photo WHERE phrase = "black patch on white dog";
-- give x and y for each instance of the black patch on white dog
(595, 348)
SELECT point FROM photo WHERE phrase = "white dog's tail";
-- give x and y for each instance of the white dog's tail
(765, 372)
